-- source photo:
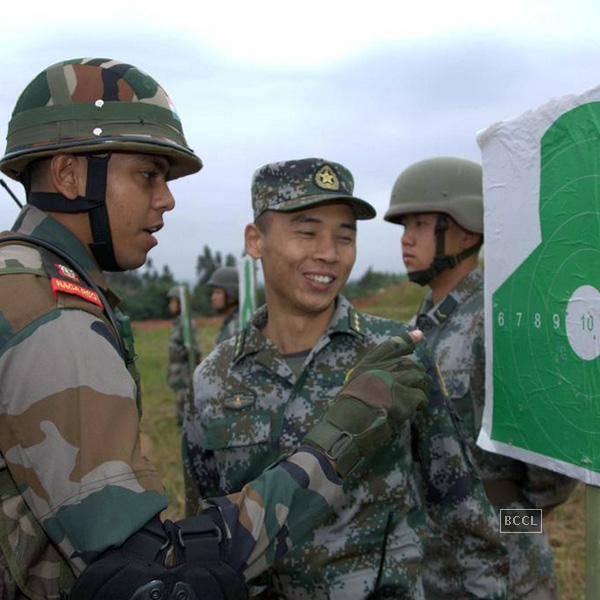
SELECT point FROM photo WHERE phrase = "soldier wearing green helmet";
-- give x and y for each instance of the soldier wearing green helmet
(224, 297)
(94, 142)
(448, 189)
(439, 201)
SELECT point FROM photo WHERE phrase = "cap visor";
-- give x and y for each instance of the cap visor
(362, 210)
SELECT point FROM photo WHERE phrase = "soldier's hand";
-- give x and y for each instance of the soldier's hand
(382, 392)
(392, 355)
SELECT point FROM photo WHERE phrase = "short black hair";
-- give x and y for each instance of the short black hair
(263, 221)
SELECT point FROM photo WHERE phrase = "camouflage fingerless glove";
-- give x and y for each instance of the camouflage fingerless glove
(363, 416)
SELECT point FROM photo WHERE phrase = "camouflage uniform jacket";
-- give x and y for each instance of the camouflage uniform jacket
(230, 326)
(249, 408)
(179, 375)
(454, 332)
(72, 479)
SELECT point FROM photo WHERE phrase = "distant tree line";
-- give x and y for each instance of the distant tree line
(143, 292)
(371, 283)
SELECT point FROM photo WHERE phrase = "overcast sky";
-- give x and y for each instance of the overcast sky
(374, 88)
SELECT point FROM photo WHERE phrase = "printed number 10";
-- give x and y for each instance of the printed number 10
(587, 322)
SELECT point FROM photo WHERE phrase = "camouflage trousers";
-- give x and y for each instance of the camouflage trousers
(531, 575)
(394, 573)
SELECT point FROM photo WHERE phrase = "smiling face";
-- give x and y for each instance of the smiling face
(306, 255)
(137, 196)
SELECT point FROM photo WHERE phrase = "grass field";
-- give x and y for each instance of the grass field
(565, 525)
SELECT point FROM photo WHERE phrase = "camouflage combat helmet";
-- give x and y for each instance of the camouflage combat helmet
(443, 185)
(93, 106)
(226, 278)
(450, 187)
(298, 184)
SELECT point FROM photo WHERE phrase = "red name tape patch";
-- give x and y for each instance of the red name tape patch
(66, 287)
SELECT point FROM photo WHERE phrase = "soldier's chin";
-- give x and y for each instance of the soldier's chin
(317, 306)
(130, 261)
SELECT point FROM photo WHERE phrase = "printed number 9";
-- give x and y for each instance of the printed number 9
(556, 321)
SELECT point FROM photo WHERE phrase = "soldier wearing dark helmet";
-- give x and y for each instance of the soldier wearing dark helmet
(224, 297)
(439, 202)
(94, 142)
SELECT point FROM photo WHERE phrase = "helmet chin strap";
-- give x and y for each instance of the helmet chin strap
(93, 203)
(441, 261)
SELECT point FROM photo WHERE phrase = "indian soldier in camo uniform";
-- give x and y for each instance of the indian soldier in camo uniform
(257, 395)
(439, 201)
(224, 297)
(179, 371)
(94, 142)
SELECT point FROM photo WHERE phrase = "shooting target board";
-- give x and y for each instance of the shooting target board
(542, 286)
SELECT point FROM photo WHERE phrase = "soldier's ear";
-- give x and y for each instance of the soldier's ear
(469, 239)
(253, 241)
(68, 174)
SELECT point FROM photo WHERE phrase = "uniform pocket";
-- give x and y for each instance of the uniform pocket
(238, 430)
(241, 444)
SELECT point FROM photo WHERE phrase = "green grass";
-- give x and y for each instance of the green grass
(161, 435)
(565, 525)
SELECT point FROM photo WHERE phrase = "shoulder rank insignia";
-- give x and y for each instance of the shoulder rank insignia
(66, 287)
(67, 272)
(239, 401)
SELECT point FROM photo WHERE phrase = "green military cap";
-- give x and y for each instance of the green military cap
(298, 184)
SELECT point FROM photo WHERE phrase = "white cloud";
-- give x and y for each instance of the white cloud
(299, 34)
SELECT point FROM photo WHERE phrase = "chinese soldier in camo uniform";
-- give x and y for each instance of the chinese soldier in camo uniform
(258, 394)
(439, 201)
(94, 142)
(225, 291)
(179, 372)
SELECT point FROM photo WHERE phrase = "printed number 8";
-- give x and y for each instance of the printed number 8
(501, 319)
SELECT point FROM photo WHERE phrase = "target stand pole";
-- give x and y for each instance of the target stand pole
(592, 542)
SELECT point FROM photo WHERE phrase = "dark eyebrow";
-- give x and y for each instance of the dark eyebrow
(162, 165)
(304, 219)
